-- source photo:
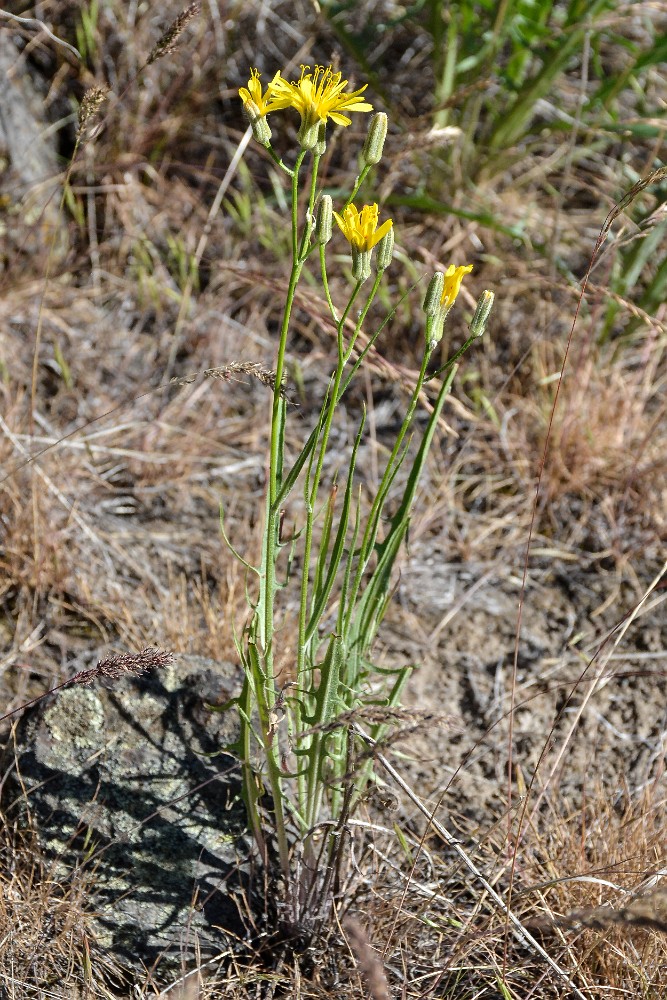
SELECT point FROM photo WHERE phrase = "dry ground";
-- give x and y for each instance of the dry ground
(112, 480)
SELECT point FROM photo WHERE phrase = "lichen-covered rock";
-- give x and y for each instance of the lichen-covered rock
(125, 780)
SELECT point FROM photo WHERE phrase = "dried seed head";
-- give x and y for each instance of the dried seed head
(167, 43)
(119, 664)
(91, 102)
(227, 372)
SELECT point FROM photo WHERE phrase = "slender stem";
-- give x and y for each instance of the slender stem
(325, 282)
(357, 184)
(311, 488)
(265, 689)
(305, 247)
(295, 210)
(278, 162)
(452, 360)
(362, 314)
(275, 465)
(371, 523)
(307, 800)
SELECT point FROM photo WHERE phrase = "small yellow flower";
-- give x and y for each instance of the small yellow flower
(360, 228)
(256, 103)
(317, 96)
(453, 278)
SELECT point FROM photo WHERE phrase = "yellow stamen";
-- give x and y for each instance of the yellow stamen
(360, 228)
(253, 98)
(318, 95)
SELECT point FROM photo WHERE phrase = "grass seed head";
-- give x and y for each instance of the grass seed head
(119, 664)
(167, 43)
(92, 101)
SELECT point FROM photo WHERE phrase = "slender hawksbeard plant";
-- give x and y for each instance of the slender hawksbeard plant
(305, 765)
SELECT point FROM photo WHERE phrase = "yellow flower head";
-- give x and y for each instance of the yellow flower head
(453, 278)
(317, 96)
(360, 228)
(256, 103)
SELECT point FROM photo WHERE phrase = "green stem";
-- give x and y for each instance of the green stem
(452, 360)
(366, 547)
(265, 688)
(304, 249)
(357, 184)
(278, 162)
(310, 786)
(325, 282)
(311, 489)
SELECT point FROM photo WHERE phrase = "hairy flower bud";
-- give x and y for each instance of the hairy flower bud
(361, 263)
(258, 123)
(320, 146)
(324, 220)
(385, 250)
(433, 296)
(374, 144)
(308, 134)
(481, 314)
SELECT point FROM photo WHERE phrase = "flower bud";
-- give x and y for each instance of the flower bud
(308, 134)
(481, 314)
(320, 146)
(361, 263)
(433, 295)
(385, 250)
(374, 144)
(324, 220)
(435, 326)
(258, 123)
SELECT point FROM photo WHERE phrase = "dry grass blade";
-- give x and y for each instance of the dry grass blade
(43, 27)
(620, 206)
(170, 259)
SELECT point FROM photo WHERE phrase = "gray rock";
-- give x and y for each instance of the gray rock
(125, 781)
(29, 169)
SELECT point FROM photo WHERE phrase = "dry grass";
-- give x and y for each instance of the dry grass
(46, 940)
(111, 485)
